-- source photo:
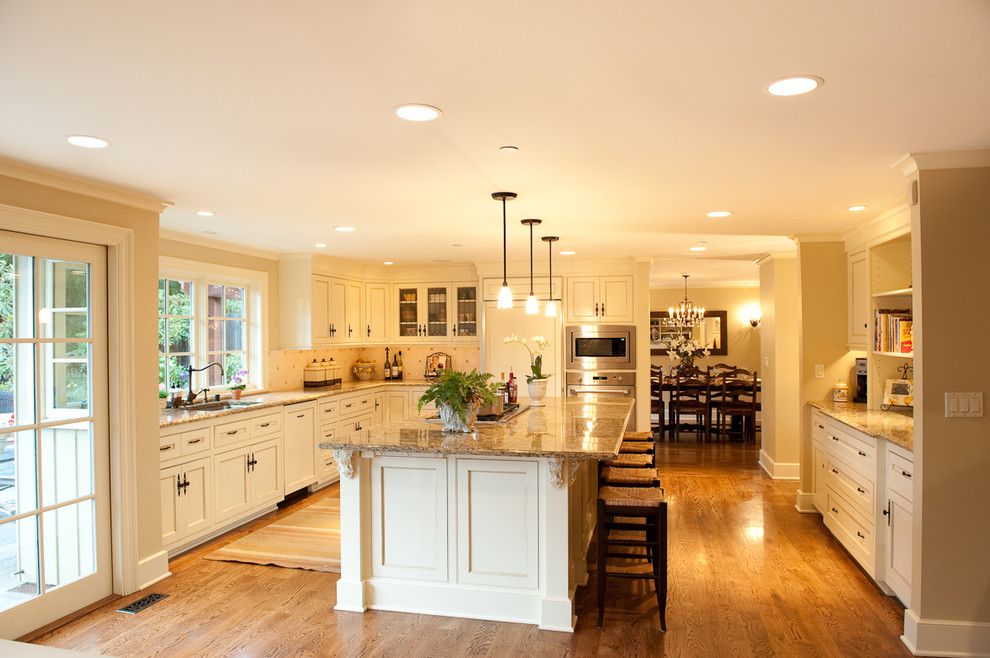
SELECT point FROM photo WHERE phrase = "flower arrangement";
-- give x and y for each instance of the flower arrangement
(539, 346)
(162, 392)
(683, 351)
(239, 382)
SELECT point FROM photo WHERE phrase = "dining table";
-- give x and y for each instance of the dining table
(668, 385)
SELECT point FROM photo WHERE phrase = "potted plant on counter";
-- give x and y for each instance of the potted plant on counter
(537, 379)
(239, 383)
(458, 395)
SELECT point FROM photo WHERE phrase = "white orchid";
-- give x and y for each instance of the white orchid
(540, 345)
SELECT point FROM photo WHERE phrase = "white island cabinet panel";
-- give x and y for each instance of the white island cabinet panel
(409, 518)
(233, 487)
(497, 522)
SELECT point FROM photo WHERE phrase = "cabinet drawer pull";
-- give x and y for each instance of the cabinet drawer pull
(861, 453)
(264, 424)
(835, 471)
(905, 474)
(232, 432)
(821, 427)
(835, 511)
(860, 535)
(364, 402)
(299, 416)
(348, 406)
(166, 448)
(861, 490)
(194, 441)
(835, 438)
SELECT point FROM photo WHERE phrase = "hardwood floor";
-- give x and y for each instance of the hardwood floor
(749, 576)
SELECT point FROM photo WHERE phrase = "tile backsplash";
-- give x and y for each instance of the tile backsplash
(285, 367)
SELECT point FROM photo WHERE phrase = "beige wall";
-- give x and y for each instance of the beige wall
(144, 223)
(779, 331)
(951, 271)
(744, 340)
(824, 312)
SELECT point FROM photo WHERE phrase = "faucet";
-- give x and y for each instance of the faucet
(190, 397)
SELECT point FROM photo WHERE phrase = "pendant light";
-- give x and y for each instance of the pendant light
(551, 311)
(532, 304)
(504, 294)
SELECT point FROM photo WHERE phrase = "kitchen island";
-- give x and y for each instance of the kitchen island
(494, 524)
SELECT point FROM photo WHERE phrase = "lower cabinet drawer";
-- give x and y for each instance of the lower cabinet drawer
(900, 475)
(194, 442)
(357, 405)
(851, 529)
(265, 425)
(355, 424)
(231, 433)
(855, 486)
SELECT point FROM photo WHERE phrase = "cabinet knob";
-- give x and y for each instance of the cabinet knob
(861, 453)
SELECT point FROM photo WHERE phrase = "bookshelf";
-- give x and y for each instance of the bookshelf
(891, 303)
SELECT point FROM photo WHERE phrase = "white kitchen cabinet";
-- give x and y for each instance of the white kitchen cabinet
(376, 298)
(465, 312)
(299, 435)
(266, 473)
(594, 299)
(320, 306)
(326, 467)
(353, 326)
(819, 474)
(185, 500)
(247, 478)
(425, 312)
(858, 287)
(336, 304)
(396, 406)
(899, 528)
(379, 413)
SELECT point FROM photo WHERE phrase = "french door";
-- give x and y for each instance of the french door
(54, 445)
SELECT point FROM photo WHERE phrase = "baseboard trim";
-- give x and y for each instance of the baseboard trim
(779, 470)
(805, 502)
(945, 637)
(152, 569)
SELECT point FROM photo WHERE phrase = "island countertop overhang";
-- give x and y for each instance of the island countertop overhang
(577, 428)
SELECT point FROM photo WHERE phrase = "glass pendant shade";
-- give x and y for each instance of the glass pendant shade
(532, 305)
(551, 311)
(504, 298)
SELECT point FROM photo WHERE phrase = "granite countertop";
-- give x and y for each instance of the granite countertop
(894, 426)
(171, 417)
(582, 427)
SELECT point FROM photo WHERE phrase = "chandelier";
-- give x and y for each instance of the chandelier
(685, 314)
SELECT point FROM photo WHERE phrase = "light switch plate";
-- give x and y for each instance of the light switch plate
(964, 405)
(819, 371)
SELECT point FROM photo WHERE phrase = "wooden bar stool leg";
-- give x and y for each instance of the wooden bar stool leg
(660, 564)
(601, 531)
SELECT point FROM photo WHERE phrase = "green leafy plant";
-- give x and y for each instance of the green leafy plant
(459, 390)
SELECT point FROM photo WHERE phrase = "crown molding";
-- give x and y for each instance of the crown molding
(912, 163)
(708, 285)
(815, 237)
(84, 186)
(888, 225)
(203, 241)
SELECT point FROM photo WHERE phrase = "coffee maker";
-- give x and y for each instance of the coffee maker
(860, 381)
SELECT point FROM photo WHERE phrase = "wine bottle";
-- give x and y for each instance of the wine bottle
(396, 368)
(387, 369)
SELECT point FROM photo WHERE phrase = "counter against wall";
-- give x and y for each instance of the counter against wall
(894, 426)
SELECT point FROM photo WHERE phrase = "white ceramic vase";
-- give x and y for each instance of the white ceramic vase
(537, 392)
(453, 423)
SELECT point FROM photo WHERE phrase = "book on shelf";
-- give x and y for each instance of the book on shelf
(893, 331)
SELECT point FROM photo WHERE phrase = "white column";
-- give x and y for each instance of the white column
(354, 509)
(557, 609)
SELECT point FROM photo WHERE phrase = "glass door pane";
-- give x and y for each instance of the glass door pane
(409, 312)
(54, 507)
(467, 311)
(436, 311)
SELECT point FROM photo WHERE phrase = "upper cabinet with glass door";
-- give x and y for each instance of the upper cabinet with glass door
(465, 311)
(436, 312)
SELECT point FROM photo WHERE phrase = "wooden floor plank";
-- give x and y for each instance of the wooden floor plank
(749, 576)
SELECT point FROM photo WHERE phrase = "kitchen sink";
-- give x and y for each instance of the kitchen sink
(220, 405)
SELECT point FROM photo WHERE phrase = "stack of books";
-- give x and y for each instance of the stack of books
(893, 331)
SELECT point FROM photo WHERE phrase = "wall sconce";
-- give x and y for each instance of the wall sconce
(754, 316)
(755, 321)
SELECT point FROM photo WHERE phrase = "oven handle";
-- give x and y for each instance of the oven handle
(575, 390)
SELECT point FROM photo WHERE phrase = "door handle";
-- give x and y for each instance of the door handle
(455, 328)
(349, 331)
(596, 309)
(369, 331)
(603, 309)
(178, 486)
(886, 512)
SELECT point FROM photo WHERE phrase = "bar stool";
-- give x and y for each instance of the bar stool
(628, 477)
(625, 460)
(638, 437)
(633, 509)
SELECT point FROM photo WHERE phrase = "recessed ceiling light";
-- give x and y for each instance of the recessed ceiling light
(719, 213)
(205, 213)
(417, 112)
(457, 244)
(388, 262)
(508, 148)
(567, 253)
(344, 229)
(857, 208)
(87, 141)
(701, 246)
(795, 85)
(320, 245)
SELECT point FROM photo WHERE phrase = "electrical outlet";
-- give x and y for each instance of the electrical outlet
(964, 405)
(819, 371)
(766, 362)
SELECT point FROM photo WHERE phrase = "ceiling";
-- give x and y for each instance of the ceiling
(632, 120)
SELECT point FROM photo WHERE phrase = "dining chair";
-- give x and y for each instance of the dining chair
(690, 399)
(737, 398)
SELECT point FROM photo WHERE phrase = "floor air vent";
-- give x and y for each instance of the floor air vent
(142, 603)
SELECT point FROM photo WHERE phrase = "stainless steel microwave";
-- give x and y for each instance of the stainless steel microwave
(601, 347)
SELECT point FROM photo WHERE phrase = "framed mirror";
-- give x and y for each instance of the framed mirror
(713, 332)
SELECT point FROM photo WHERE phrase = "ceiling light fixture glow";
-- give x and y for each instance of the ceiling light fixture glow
(857, 208)
(532, 304)
(567, 253)
(388, 262)
(715, 214)
(504, 293)
(344, 229)
(87, 141)
(418, 112)
(701, 246)
(551, 311)
(320, 245)
(205, 213)
(795, 85)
